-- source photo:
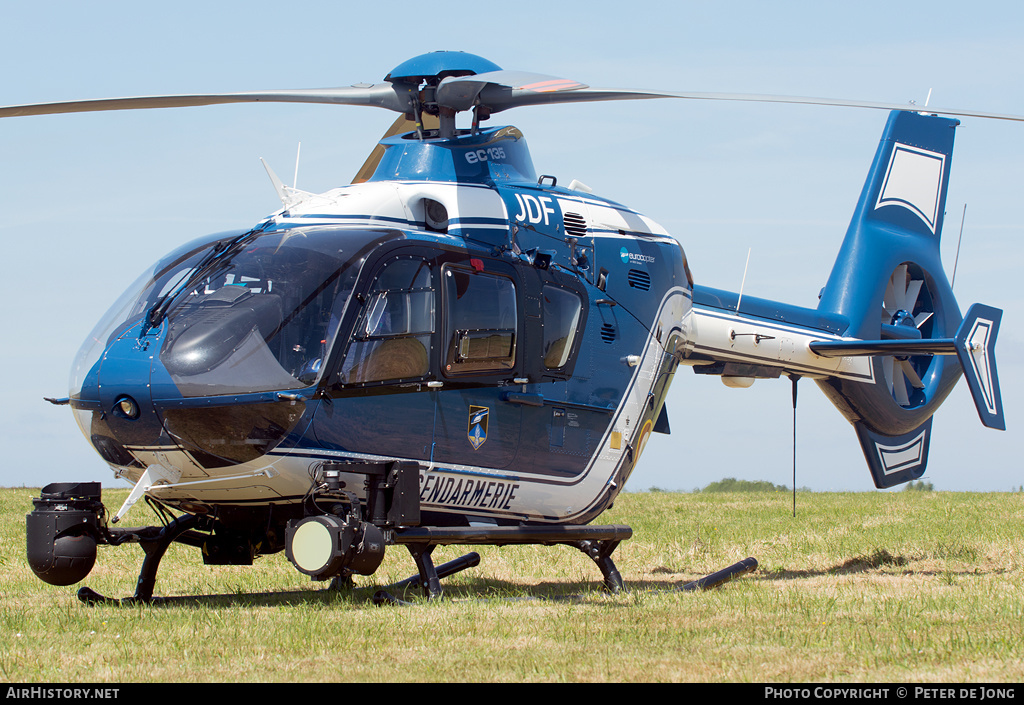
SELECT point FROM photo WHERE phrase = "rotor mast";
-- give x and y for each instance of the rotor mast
(420, 78)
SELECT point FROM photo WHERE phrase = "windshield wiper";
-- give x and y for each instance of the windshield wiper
(213, 259)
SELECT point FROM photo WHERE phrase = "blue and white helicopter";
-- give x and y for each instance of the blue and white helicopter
(455, 350)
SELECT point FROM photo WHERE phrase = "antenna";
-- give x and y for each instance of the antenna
(926, 101)
(295, 181)
(794, 379)
(963, 217)
(743, 283)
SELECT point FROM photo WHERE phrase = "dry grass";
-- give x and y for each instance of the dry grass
(870, 587)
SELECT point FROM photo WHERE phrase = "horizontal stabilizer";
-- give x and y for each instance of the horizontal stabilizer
(894, 460)
(864, 348)
(974, 346)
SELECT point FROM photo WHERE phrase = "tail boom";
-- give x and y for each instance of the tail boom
(764, 338)
(887, 343)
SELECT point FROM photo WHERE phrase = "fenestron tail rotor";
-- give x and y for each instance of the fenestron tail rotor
(906, 315)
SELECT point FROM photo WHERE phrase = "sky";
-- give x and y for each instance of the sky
(91, 200)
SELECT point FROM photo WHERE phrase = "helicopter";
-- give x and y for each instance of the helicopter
(455, 349)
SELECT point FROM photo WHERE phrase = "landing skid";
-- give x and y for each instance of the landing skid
(708, 582)
(597, 542)
(154, 541)
(348, 538)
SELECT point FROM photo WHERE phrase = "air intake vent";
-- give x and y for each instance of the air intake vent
(575, 224)
(608, 333)
(639, 279)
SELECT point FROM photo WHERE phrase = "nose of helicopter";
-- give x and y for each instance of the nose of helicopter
(115, 408)
(216, 352)
(130, 405)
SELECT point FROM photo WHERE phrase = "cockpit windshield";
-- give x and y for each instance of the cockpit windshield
(258, 315)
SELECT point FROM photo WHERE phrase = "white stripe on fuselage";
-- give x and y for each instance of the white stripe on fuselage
(726, 336)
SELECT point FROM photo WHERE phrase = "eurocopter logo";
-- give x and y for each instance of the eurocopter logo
(628, 257)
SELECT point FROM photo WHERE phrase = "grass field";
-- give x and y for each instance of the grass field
(858, 587)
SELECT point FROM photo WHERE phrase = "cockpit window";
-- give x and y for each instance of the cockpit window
(240, 313)
(264, 317)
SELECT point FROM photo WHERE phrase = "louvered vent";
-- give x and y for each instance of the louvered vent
(639, 279)
(575, 224)
(608, 333)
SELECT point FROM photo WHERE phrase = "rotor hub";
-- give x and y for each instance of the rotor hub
(437, 65)
(904, 318)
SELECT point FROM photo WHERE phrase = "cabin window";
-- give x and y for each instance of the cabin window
(392, 338)
(480, 330)
(562, 310)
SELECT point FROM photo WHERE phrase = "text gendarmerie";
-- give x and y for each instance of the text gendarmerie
(467, 492)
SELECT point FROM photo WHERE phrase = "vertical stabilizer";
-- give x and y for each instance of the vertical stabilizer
(898, 219)
(888, 281)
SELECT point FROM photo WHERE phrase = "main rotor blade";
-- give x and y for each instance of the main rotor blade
(382, 95)
(499, 96)
(495, 90)
(461, 92)
(841, 103)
